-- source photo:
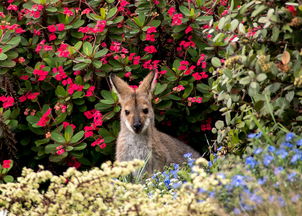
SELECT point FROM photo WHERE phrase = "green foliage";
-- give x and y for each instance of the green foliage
(261, 73)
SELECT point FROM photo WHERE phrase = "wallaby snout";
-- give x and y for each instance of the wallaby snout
(137, 125)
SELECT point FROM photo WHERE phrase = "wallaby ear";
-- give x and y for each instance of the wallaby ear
(120, 86)
(148, 84)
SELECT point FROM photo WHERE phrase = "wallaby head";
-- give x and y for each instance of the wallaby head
(137, 112)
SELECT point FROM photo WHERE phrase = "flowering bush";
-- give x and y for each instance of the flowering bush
(265, 181)
(262, 70)
(55, 57)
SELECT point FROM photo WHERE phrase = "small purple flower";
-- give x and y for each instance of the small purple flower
(286, 144)
(289, 137)
(282, 153)
(271, 148)
(291, 176)
(238, 180)
(299, 142)
(267, 159)
(176, 185)
(262, 181)
(255, 135)
(236, 211)
(258, 151)
(277, 170)
(281, 201)
(295, 158)
(256, 198)
(188, 155)
(295, 198)
(250, 161)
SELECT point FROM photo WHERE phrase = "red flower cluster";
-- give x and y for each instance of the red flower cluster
(99, 27)
(63, 51)
(176, 19)
(194, 100)
(150, 49)
(178, 88)
(59, 73)
(74, 163)
(97, 121)
(6, 164)
(7, 101)
(41, 73)
(29, 96)
(184, 65)
(45, 118)
(90, 91)
(60, 150)
(14, 27)
(200, 75)
(57, 27)
(99, 142)
(206, 126)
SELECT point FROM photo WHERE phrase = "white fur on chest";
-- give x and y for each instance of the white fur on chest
(135, 147)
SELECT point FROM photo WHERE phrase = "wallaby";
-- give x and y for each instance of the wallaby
(138, 138)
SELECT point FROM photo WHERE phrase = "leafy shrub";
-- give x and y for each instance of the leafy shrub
(55, 57)
(261, 73)
(95, 192)
(4, 169)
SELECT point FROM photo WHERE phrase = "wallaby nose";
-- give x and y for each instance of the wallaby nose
(137, 126)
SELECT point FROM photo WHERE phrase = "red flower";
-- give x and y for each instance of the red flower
(51, 38)
(150, 37)
(90, 91)
(52, 28)
(61, 151)
(292, 9)
(67, 11)
(86, 11)
(188, 29)
(171, 11)
(12, 7)
(176, 19)
(99, 142)
(45, 118)
(60, 27)
(150, 49)
(6, 164)
(151, 30)
(88, 134)
(7, 101)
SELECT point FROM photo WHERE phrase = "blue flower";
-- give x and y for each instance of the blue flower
(236, 211)
(267, 159)
(299, 142)
(295, 158)
(258, 151)
(291, 176)
(176, 185)
(262, 181)
(286, 144)
(271, 148)
(256, 198)
(255, 135)
(289, 136)
(295, 198)
(281, 201)
(250, 161)
(238, 180)
(188, 155)
(277, 170)
(282, 153)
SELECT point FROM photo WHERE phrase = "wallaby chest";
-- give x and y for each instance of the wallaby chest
(135, 146)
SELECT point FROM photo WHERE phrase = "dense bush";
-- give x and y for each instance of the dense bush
(265, 181)
(262, 71)
(55, 57)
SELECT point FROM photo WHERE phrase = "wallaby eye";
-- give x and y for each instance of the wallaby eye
(127, 112)
(145, 110)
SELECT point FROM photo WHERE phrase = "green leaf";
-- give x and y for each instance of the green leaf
(216, 62)
(57, 137)
(111, 12)
(259, 9)
(79, 66)
(8, 178)
(219, 124)
(68, 133)
(290, 96)
(160, 88)
(234, 25)
(14, 41)
(59, 119)
(60, 91)
(32, 119)
(204, 19)
(77, 137)
(41, 142)
(80, 147)
(188, 91)
(57, 158)
(184, 10)
(87, 48)
(51, 148)
(261, 77)
(97, 64)
(8, 63)
(107, 101)
(101, 53)
(275, 34)
(3, 56)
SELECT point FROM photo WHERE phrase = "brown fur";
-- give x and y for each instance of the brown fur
(132, 144)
